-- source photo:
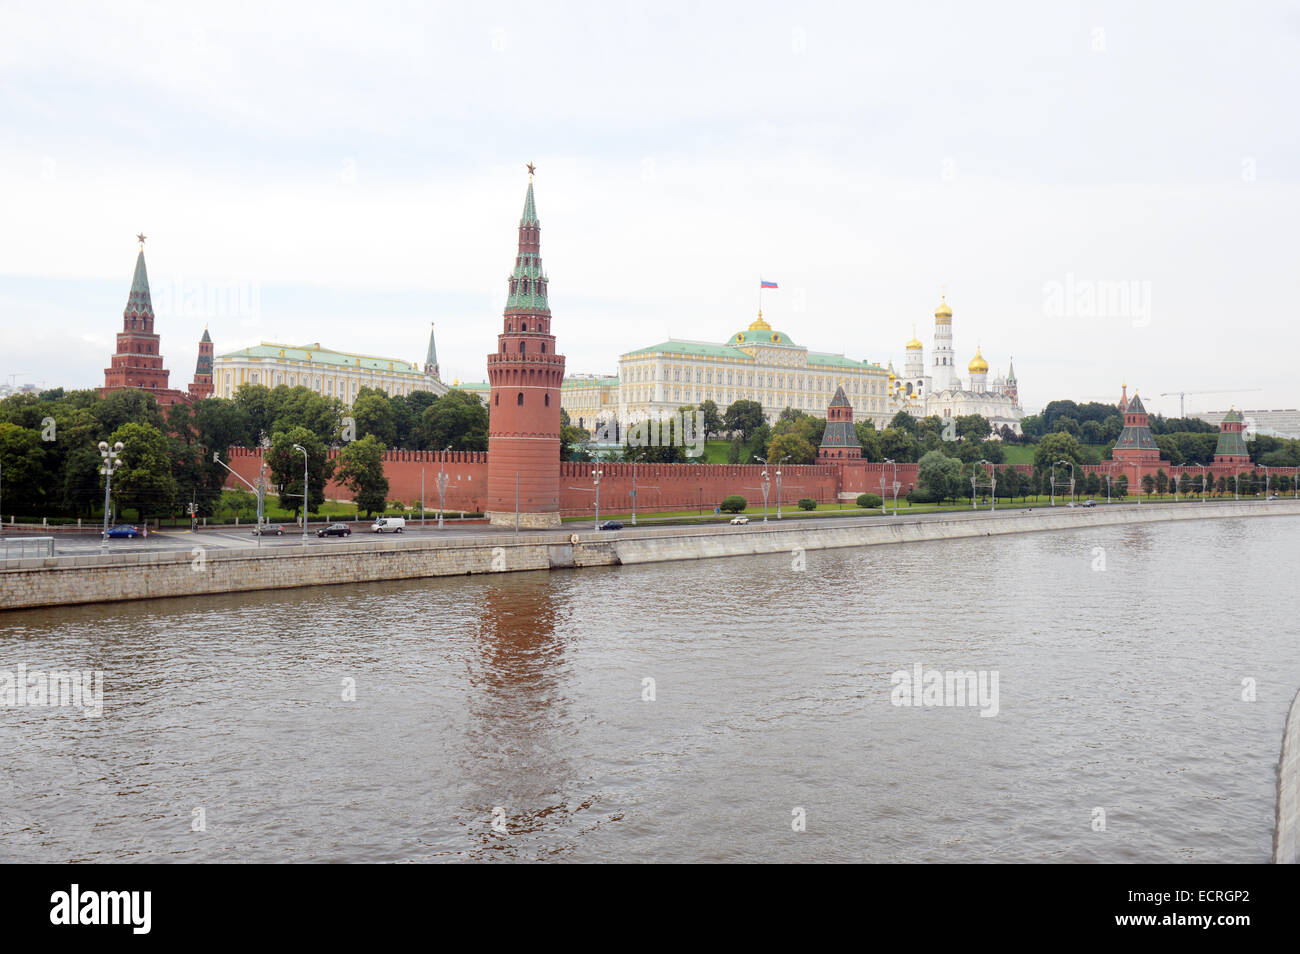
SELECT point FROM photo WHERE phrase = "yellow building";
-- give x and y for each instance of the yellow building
(337, 374)
(757, 364)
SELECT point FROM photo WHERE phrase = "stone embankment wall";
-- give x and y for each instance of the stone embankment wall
(65, 580)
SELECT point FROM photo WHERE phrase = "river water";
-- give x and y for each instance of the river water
(518, 702)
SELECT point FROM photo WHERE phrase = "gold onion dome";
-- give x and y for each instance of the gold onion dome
(914, 344)
(943, 311)
(977, 364)
(759, 324)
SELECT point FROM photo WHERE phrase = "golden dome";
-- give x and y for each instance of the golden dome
(759, 324)
(943, 311)
(977, 364)
(914, 344)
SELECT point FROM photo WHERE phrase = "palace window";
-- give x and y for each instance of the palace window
(520, 399)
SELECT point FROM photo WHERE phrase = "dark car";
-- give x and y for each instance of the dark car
(123, 530)
(611, 525)
(268, 528)
(335, 530)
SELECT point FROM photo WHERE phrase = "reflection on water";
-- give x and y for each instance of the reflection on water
(502, 717)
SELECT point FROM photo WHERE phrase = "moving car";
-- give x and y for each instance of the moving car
(268, 528)
(1090, 502)
(739, 521)
(388, 525)
(611, 525)
(335, 530)
(122, 530)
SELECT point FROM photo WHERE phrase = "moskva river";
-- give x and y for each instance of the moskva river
(1126, 695)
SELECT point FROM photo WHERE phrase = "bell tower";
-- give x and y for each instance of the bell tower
(525, 375)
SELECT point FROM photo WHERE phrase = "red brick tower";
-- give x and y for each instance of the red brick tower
(137, 363)
(201, 386)
(524, 405)
(1135, 442)
(839, 440)
(1232, 448)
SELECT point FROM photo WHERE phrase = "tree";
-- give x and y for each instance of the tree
(1057, 446)
(458, 419)
(1162, 481)
(793, 445)
(286, 465)
(1121, 485)
(897, 445)
(24, 476)
(869, 501)
(144, 482)
(128, 405)
(744, 417)
(1148, 484)
(712, 419)
(373, 413)
(733, 504)
(902, 421)
(807, 503)
(361, 469)
(973, 428)
(869, 438)
(219, 424)
(255, 402)
(939, 474)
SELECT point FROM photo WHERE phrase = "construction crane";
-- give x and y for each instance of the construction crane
(1182, 395)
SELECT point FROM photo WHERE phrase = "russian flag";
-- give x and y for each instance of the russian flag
(766, 284)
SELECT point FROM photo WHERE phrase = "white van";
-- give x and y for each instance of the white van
(388, 525)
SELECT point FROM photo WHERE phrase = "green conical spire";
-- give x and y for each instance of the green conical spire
(431, 357)
(530, 210)
(138, 302)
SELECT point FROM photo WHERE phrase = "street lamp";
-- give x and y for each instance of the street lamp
(1266, 481)
(1205, 484)
(778, 484)
(442, 482)
(1107, 486)
(299, 447)
(894, 464)
(112, 462)
(1071, 463)
(767, 485)
(993, 485)
(596, 474)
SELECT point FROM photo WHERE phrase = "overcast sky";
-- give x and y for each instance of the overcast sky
(1107, 191)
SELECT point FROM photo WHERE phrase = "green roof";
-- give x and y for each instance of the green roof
(838, 361)
(138, 301)
(316, 355)
(697, 348)
(753, 336)
(530, 207)
(474, 386)
(583, 381)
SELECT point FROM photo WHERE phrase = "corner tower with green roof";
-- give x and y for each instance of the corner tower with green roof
(526, 376)
(840, 439)
(1232, 448)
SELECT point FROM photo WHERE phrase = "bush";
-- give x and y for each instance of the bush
(807, 503)
(869, 501)
(733, 504)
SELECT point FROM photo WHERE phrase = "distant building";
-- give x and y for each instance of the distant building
(336, 374)
(138, 362)
(1231, 448)
(757, 364)
(1135, 443)
(1278, 422)
(202, 387)
(941, 392)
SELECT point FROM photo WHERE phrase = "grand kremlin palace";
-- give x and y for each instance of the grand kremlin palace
(757, 364)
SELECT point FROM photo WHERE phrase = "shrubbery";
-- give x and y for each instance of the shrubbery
(733, 504)
(869, 501)
(807, 503)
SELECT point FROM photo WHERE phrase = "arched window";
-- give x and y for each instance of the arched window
(503, 347)
(543, 347)
(521, 347)
(548, 400)
(520, 399)
(498, 399)
(524, 326)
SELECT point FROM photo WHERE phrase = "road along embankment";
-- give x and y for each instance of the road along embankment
(121, 575)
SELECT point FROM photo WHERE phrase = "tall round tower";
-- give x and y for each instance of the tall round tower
(944, 374)
(525, 375)
(914, 368)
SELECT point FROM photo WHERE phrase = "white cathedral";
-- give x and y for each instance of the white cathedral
(941, 392)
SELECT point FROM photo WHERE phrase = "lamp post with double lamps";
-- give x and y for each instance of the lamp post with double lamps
(112, 461)
(299, 447)
(596, 474)
(1071, 463)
